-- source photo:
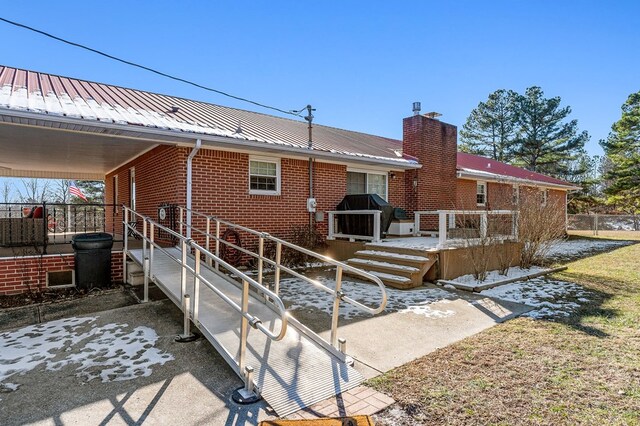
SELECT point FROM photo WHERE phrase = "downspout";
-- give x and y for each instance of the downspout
(193, 153)
(309, 118)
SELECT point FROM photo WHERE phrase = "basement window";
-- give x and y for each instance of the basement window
(264, 176)
(481, 193)
(59, 279)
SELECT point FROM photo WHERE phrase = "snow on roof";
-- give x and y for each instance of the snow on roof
(492, 169)
(54, 95)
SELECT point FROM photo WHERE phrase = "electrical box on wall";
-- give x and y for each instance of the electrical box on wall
(312, 204)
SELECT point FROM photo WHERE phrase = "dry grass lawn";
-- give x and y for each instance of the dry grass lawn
(584, 369)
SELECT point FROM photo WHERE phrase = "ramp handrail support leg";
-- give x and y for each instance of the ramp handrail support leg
(145, 261)
(125, 240)
(181, 220)
(183, 264)
(276, 281)
(151, 247)
(336, 308)
(217, 244)
(208, 239)
(196, 287)
(260, 258)
(244, 325)
(248, 379)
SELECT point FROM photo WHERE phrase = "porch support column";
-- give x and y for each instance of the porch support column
(193, 153)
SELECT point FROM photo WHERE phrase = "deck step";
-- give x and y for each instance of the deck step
(391, 257)
(396, 281)
(386, 267)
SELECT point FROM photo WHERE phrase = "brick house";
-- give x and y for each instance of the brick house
(253, 169)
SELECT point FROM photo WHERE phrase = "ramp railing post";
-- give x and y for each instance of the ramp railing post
(260, 257)
(145, 260)
(196, 286)
(208, 239)
(336, 307)
(276, 280)
(217, 244)
(181, 220)
(244, 325)
(183, 264)
(125, 241)
(152, 239)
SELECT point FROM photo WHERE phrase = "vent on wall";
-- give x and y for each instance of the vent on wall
(61, 278)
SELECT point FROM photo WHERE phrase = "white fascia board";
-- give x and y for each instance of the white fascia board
(169, 136)
(492, 177)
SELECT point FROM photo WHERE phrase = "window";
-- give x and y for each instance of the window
(367, 183)
(543, 197)
(481, 193)
(264, 176)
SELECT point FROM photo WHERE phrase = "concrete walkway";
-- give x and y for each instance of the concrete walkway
(190, 383)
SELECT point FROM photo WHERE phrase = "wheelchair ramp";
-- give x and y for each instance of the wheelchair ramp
(291, 373)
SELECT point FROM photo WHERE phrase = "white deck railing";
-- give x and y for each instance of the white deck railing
(376, 225)
(447, 221)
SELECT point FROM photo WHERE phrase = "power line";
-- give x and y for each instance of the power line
(163, 74)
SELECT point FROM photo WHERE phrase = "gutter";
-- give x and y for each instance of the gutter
(508, 179)
(157, 135)
(192, 154)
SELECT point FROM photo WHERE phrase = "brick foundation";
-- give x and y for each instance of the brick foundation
(21, 274)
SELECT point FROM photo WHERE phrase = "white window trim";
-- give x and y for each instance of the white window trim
(545, 197)
(278, 175)
(373, 172)
(484, 184)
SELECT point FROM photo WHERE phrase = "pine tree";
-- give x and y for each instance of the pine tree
(93, 190)
(546, 142)
(490, 128)
(622, 148)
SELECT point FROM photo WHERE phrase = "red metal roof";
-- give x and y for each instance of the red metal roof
(489, 166)
(62, 96)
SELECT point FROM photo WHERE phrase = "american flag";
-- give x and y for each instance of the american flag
(74, 190)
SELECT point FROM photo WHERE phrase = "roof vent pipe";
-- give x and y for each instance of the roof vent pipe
(416, 108)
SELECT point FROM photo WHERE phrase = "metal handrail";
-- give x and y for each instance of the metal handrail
(267, 236)
(185, 243)
(337, 293)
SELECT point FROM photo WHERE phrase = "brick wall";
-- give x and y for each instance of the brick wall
(29, 273)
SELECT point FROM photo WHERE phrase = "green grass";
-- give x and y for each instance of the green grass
(584, 369)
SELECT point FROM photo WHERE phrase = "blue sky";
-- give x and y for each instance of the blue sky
(361, 64)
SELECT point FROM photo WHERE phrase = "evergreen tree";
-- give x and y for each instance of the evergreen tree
(490, 128)
(622, 149)
(93, 190)
(546, 142)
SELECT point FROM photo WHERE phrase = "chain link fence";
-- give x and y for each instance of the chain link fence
(603, 222)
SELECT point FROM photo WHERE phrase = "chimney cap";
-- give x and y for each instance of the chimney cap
(433, 115)
(416, 108)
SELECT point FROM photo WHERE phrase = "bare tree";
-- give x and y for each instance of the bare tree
(61, 191)
(5, 191)
(34, 190)
(541, 224)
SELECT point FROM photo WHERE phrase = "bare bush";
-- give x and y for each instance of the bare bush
(540, 225)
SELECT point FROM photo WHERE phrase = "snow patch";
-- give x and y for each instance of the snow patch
(301, 295)
(495, 276)
(551, 298)
(111, 352)
(573, 249)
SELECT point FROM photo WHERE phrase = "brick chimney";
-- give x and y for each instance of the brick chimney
(434, 143)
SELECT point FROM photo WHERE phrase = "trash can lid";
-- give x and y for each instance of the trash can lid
(93, 237)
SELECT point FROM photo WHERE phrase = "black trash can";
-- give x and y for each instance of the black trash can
(93, 259)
